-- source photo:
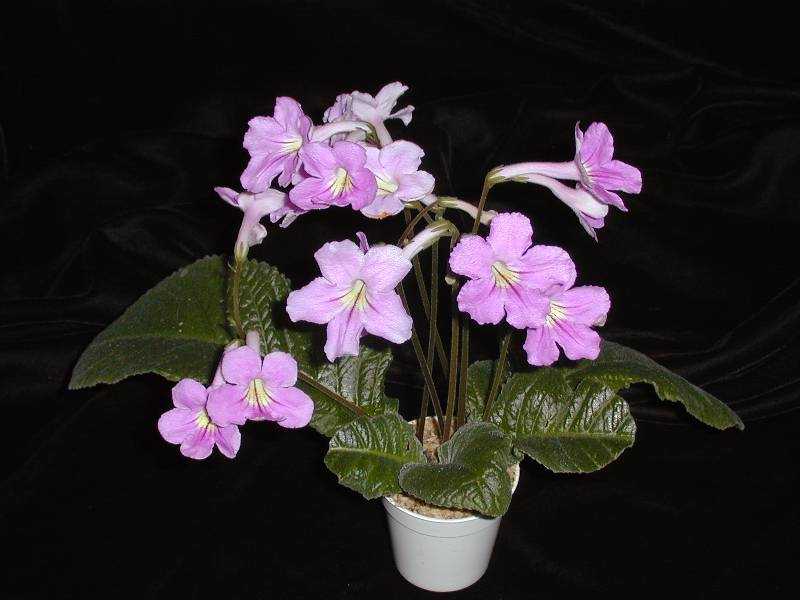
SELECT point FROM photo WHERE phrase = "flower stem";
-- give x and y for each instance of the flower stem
(426, 372)
(432, 332)
(423, 291)
(498, 374)
(354, 408)
(455, 327)
(462, 374)
(237, 315)
(481, 203)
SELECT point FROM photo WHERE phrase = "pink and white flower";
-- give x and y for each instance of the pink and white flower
(354, 295)
(399, 180)
(259, 390)
(190, 425)
(572, 313)
(594, 169)
(336, 176)
(274, 145)
(372, 109)
(508, 277)
(255, 207)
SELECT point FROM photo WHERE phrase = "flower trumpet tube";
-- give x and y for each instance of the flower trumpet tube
(255, 208)
(593, 166)
(463, 206)
(428, 237)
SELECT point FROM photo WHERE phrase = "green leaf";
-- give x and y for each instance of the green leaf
(566, 430)
(262, 296)
(619, 366)
(359, 379)
(479, 384)
(176, 330)
(368, 453)
(471, 474)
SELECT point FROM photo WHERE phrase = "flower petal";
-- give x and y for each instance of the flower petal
(228, 195)
(290, 407)
(199, 444)
(279, 370)
(597, 146)
(241, 365)
(510, 235)
(307, 194)
(525, 307)
(577, 340)
(344, 332)
(349, 155)
(228, 440)
(287, 111)
(587, 304)
(617, 175)
(384, 267)
(177, 424)
(542, 267)
(482, 300)
(227, 404)
(318, 159)
(188, 393)
(540, 347)
(401, 158)
(472, 257)
(363, 191)
(386, 317)
(318, 302)
(415, 186)
(383, 206)
(340, 262)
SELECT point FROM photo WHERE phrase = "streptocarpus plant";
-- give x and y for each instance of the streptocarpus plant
(211, 326)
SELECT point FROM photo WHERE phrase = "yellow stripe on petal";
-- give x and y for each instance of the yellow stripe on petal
(504, 276)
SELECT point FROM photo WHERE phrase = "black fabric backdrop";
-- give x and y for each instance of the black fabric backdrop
(119, 118)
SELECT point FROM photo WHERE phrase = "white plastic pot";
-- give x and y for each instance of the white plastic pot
(441, 555)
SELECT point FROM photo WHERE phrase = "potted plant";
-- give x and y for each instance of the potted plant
(230, 332)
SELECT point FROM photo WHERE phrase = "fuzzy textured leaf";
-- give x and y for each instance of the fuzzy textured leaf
(359, 379)
(479, 384)
(471, 474)
(177, 329)
(262, 296)
(368, 453)
(567, 430)
(619, 366)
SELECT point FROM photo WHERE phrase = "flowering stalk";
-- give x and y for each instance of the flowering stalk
(433, 337)
(239, 260)
(498, 374)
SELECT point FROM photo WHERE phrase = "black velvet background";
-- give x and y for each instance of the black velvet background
(119, 118)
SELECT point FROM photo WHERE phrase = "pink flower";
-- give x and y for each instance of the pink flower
(508, 277)
(256, 207)
(572, 314)
(372, 109)
(190, 425)
(336, 177)
(274, 144)
(599, 173)
(396, 170)
(593, 167)
(259, 390)
(591, 212)
(355, 294)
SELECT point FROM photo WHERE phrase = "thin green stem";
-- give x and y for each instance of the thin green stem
(498, 374)
(423, 293)
(481, 203)
(426, 372)
(432, 332)
(462, 374)
(237, 314)
(412, 222)
(354, 408)
(455, 326)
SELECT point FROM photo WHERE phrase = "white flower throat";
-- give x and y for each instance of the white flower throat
(341, 182)
(504, 276)
(557, 313)
(257, 394)
(356, 297)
